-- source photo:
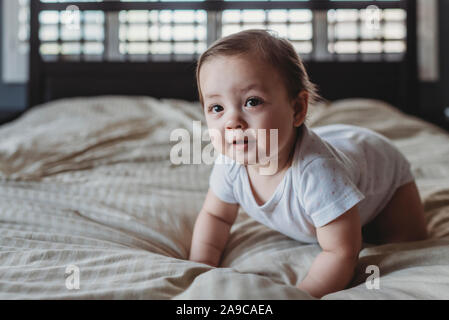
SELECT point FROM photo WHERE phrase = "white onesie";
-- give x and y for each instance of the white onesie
(334, 168)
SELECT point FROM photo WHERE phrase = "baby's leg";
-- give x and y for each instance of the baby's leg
(401, 220)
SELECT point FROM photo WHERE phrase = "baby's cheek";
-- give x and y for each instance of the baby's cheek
(219, 146)
(216, 137)
(269, 139)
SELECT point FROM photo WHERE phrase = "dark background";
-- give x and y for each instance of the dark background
(434, 96)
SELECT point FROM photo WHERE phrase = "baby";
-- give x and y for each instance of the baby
(335, 185)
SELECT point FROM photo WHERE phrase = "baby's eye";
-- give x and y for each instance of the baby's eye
(215, 108)
(252, 102)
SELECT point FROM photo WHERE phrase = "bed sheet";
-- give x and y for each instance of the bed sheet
(86, 184)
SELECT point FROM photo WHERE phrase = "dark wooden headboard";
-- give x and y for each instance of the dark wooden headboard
(391, 80)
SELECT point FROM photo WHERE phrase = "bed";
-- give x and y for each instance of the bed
(111, 203)
(87, 188)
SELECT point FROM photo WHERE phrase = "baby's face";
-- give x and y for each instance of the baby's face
(242, 94)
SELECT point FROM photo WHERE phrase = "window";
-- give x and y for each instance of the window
(294, 24)
(184, 34)
(82, 33)
(366, 31)
(161, 33)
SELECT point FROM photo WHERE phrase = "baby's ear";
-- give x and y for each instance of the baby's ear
(300, 106)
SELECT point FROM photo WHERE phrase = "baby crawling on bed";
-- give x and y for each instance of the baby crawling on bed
(337, 185)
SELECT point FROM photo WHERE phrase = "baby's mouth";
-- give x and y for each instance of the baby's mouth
(244, 141)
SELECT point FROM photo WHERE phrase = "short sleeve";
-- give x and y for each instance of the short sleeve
(327, 191)
(220, 180)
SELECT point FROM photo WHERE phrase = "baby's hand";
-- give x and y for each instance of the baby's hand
(333, 268)
(212, 229)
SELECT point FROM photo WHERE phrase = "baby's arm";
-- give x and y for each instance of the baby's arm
(212, 229)
(333, 268)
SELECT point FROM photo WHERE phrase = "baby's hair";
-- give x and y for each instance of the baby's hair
(277, 51)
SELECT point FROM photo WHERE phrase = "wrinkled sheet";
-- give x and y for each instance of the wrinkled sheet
(88, 182)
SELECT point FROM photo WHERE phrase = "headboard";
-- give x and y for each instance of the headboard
(389, 77)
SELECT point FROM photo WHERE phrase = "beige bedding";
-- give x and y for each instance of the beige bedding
(88, 183)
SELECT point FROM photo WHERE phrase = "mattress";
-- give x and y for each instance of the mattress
(91, 207)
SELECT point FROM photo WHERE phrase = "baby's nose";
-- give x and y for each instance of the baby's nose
(235, 123)
(234, 126)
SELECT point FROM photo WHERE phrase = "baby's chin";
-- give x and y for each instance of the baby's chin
(242, 155)
(247, 158)
(242, 159)
(267, 167)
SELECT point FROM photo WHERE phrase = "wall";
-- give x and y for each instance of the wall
(444, 33)
(434, 97)
(12, 96)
